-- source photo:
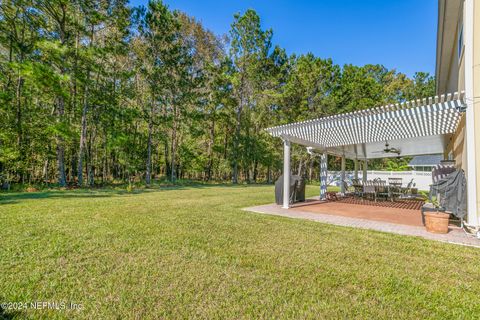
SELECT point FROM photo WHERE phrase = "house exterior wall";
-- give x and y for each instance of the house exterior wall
(460, 71)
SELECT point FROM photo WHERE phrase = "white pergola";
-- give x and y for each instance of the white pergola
(417, 127)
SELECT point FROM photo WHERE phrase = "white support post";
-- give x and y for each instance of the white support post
(342, 176)
(364, 175)
(323, 176)
(286, 174)
(472, 209)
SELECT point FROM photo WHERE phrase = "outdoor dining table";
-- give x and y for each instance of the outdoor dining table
(380, 188)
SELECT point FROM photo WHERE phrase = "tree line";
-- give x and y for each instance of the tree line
(95, 92)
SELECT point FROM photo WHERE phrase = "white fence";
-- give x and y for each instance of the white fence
(422, 179)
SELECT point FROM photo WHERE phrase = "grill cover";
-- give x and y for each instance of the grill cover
(452, 193)
(297, 189)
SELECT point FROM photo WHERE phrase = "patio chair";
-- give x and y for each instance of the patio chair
(395, 187)
(369, 190)
(349, 192)
(407, 191)
(442, 170)
(357, 188)
(381, 189)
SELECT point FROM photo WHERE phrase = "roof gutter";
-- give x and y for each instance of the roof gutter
(440, 42)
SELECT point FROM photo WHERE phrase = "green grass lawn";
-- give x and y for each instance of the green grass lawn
(192, 252)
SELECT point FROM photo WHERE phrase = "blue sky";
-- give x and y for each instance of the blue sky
(399, 34)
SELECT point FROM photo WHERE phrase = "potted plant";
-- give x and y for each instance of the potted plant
(436, 221)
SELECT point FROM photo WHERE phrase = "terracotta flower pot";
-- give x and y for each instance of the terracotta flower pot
(437, 222)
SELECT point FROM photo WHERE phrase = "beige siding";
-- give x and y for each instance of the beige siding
(457, 145)
(456, 82)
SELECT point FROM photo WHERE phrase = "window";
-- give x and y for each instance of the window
(460, 42)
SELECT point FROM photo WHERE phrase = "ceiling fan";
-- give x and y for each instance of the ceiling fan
(388, 149)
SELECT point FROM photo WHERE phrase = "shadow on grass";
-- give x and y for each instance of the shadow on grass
(15, 197)
(8, 315)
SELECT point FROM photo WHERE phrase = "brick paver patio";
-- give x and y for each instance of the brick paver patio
(358, 217)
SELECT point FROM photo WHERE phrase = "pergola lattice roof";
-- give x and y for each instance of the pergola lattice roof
(357, 134)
